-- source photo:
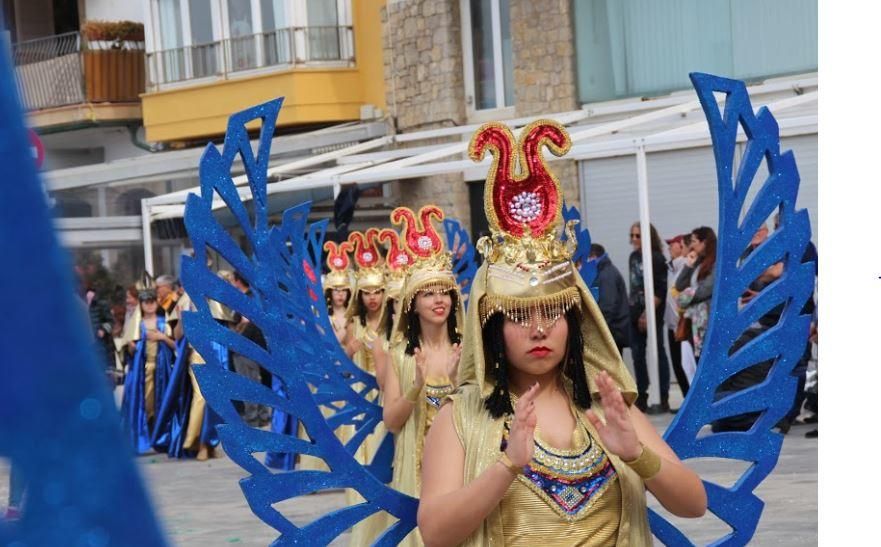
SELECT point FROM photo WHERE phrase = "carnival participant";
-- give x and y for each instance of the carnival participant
(153, 349)
(338, 287)
(337, 295)
(542, 443)
(185, 425)
(397, 263)
(365, 309)
(426, 349)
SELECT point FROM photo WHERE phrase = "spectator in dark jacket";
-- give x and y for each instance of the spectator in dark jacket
(639, 322)
(613, 297)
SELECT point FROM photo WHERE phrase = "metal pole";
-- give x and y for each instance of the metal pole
(148, 236)
(651, 345)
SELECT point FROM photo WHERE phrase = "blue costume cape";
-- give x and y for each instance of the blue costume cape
(173, 415)
(134, 413)
(285, 424)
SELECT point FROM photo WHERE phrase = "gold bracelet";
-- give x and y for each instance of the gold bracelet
(647, 465)
(506, 461)
(413, 394)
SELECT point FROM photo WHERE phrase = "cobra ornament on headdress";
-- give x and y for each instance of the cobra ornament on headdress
(338, 263)
(369, 274)
(433, 267)
(397, 262)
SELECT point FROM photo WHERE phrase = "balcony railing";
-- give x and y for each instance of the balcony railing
(286, 46)
(66, 69)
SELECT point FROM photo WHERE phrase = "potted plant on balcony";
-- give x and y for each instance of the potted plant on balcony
(113, 60)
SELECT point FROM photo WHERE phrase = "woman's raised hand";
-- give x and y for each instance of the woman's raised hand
(617, 433)
(521, 440)
(421, 367)
(453, 361)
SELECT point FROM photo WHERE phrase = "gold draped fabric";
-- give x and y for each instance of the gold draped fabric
(366, 531)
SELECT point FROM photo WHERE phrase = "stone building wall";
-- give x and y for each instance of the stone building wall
(543, 40)
(425, 89)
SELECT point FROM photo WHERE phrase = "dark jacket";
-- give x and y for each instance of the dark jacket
(613, 300)
(637, 289)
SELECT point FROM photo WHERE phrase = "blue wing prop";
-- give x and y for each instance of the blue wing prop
(296, 354)
(586, 267)
(59, 425)
(781, 344)
(340, 381)
(464, 255)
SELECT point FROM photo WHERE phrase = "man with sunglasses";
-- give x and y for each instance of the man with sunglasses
(639, 322)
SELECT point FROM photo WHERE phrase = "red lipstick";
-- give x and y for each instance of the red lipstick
(539, 351)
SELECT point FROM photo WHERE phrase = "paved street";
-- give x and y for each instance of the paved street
(200, 504)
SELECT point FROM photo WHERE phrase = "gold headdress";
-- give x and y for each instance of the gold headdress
(369, 275)
(432, 268)
(528, 273)
(397, 263)
(340, 276)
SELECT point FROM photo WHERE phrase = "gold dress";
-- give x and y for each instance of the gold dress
(366, 531)
(410, 440)
(151, 350)
(582, 496)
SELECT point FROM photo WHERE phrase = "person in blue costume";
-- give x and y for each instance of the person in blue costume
(185, 425)
(149, 372)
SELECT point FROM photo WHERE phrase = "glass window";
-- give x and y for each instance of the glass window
(171, 38)
(482, 52)
(643, 47)
(242, 51)
(491, 53)
(204, 49)
(322, 32)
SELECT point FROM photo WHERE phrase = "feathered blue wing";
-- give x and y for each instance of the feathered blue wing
(464, 255)
(782, 344)
(586, 267)
(59, 426)
(283, 309)
(299, 256)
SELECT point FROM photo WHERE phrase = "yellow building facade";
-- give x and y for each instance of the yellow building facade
(338, 79)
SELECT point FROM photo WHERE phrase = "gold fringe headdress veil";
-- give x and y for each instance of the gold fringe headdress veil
(369, 275)
(432, 269)
(526, 266)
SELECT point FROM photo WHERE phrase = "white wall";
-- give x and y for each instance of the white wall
(115, 10)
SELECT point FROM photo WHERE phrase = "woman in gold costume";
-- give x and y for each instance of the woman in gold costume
(338, 287)
(541, 443)
(152, 347)
(397, 263)
(425, 352)
(365, 309)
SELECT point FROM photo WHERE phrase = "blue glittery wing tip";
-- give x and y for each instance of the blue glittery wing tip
(781, 345)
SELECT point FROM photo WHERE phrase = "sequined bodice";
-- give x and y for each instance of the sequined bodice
(564, 497)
